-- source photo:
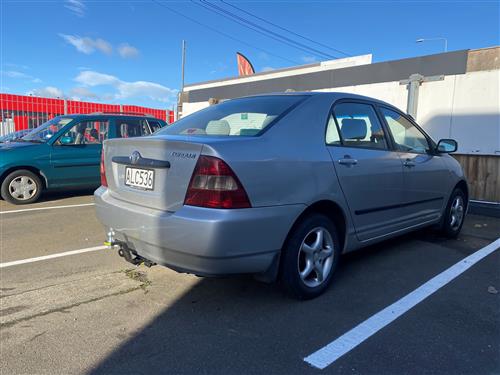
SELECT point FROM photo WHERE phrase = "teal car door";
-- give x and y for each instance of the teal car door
(76, 154)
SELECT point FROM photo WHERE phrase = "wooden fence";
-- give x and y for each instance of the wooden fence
(483, 176)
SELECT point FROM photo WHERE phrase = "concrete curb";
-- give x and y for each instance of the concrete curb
(484, 208)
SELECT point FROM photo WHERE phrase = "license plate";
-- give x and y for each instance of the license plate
(139, 178)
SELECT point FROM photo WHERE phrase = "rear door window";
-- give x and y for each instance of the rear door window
(359, 126)
(239, 117)
(154, 124)
(129, 128)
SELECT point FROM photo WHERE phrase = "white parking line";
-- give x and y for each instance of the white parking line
(51, 256)
(348, 341)
(46, 208)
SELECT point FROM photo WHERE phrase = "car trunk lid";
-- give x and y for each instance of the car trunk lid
(171, 161)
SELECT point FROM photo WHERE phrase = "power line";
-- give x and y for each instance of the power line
(223, 33)
(204, 5)
(262, 30)
(285, 29)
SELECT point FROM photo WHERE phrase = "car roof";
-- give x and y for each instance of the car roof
(111, 114)
(334, 95)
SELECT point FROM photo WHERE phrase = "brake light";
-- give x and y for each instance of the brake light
(104, 181)
(215, 185)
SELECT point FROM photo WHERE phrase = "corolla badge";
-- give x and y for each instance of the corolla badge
(134, 158)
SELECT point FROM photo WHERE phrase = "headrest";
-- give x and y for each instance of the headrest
(353, 128)
(218, 127)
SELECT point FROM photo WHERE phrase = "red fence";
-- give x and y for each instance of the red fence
(18, 112)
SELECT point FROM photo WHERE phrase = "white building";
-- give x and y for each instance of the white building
(458, 98)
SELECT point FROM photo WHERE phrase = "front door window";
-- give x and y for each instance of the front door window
(406, 136)
(86, 132)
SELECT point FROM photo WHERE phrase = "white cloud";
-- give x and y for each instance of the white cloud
(47, 92)
(83, 92)
(17, 66)
(152, 90)
(77, 7)
(88, 45)
(263, 56)
(267, 68)
(21, 75)
(127, 51)
(91, 78)
(103, 46)
(126, 90)
(16, 74)
(309, 59)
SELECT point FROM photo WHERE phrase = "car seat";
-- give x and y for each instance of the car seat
(218, 127)
(353, 129)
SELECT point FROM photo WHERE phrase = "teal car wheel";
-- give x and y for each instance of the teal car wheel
(21, 187)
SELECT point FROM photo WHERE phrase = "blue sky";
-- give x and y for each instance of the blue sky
(130, 51)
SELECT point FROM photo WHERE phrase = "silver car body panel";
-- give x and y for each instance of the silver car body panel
(284, 171)
(200, 240)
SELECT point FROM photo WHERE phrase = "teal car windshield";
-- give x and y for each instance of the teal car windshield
(45, 131)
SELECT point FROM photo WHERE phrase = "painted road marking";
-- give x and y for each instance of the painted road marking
(348, 341)
(46, 208)
(51, 256)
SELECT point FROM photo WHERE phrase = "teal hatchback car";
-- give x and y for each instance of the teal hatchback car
(64, 153)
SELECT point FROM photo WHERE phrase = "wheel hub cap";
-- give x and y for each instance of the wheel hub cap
(22, 188)
(315, 257)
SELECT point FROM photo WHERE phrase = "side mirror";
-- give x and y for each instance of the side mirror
(65, 140)
(447, 146)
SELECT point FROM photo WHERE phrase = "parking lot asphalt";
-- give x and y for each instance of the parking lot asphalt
(94, 313)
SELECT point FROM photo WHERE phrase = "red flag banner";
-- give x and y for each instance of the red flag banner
(245, 68)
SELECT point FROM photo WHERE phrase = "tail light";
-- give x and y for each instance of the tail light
(214, 185)
(104, 181)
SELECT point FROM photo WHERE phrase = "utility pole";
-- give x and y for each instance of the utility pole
(183, 63)
(179, 104)
(413, 84)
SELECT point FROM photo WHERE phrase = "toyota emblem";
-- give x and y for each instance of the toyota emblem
(134, 158)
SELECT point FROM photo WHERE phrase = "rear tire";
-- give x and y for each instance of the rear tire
(21, 187)
(309, 257)
(454, 214)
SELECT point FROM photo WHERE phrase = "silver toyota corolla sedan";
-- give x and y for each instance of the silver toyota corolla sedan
(278, 186)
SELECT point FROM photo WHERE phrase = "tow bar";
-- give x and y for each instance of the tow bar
(125, 252)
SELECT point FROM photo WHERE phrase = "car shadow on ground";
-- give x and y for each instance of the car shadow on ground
(238, 325)
(56, 195)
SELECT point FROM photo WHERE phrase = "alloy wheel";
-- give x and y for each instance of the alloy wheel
(456, 212)
(315, 257)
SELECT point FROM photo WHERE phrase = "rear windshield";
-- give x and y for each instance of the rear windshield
(238, 117)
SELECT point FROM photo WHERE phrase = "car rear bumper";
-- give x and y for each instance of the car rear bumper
(208, 242)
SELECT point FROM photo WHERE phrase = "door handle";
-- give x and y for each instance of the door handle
(347, 160)
(409, 163)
